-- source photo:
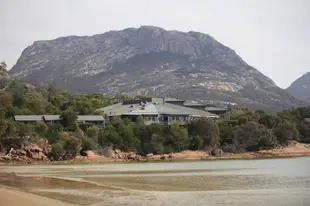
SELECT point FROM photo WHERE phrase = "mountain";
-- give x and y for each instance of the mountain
(300, 88)
(151, 61)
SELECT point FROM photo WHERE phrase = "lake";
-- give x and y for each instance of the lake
(226, 182)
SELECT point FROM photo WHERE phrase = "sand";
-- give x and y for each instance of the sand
(10, 197)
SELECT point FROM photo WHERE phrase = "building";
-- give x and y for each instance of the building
(28, 119)
(97, 120)
(52, 119)
(155, 110)
(222, 112)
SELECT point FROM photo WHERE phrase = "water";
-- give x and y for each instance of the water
(231, 182)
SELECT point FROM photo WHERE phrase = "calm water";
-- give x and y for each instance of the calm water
(233, 182)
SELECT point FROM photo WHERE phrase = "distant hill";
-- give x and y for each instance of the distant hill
(151, 61)
(300, 88)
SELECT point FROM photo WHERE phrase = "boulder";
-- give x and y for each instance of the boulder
(216, 152)
(12, 151)
(163, 157)
(90, 154)
(21, 152)
(149, 155)
(36, 149)
(108, 152)
(131, 156)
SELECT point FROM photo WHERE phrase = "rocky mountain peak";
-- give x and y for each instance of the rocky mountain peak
(153, 61)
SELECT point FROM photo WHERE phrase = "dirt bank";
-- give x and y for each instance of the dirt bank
(12, 197)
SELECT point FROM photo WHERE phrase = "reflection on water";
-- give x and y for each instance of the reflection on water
(232, 182)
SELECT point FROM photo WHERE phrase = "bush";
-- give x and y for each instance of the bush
(57, 151)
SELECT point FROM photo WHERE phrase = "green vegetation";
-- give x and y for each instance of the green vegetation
(247, 130)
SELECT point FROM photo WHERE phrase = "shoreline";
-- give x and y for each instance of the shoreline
(291, 151)
(111, 161)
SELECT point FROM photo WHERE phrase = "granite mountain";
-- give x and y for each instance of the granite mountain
(151, 61)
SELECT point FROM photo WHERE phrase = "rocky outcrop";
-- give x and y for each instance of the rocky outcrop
(152, 61)
(25, 154)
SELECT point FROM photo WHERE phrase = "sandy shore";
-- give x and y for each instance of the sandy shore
(10, 197)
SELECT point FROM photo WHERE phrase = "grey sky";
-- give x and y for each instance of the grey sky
(271, 35)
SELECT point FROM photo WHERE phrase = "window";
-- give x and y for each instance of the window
(153, 118)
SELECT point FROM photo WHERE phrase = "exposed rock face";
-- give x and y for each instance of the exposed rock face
(152, 61)
(300, 88)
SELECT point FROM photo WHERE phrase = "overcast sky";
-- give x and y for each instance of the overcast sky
(271, 35)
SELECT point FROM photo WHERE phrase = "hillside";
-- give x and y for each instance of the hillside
(300, 88)
(151, 61)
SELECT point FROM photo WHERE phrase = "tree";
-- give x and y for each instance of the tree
(285, 132)
(110, 136)
(195, 143)
(35, 102)
(88, 144)
(178, 137)
(70, 144)
(269, 121)
(41, 128)
(92, 132)
(130, 141)
(3, 65)
(206, 129)
(57, 151)
(304, 131)
(53, 131)
(5, 99)
(226, 130)
(68, 118)
(3, 127)
(251, 135)
(156, 145)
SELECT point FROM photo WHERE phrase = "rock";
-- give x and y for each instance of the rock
(7, 157)
(149, 155)
(36, 149)
(90, 154)
(108, 152)
(217, 152)
(163, 157)
(21, 152)
(29, 154)
(139, 158)
(131, 156)
(12, 151)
